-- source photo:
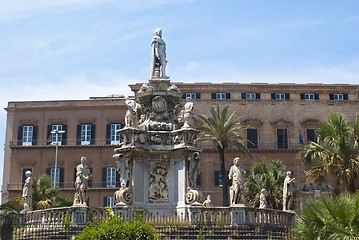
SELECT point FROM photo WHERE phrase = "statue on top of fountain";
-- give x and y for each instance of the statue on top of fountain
(158, 56)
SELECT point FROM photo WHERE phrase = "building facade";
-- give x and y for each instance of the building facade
(283, 118)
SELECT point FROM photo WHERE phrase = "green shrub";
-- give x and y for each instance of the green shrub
(329, 218)
(114, 227)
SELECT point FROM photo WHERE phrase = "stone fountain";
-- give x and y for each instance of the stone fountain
(158, 161)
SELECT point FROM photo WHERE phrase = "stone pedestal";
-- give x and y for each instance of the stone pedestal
(158, 161)
(122, 210)
(79, 216)
(238, 214)
(195, 214)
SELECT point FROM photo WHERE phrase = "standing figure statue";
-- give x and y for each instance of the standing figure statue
(132, 114)
(83, 175)
(193, 168)
(158, 58)
(262, 199)
(123, 168)
(288, 189)
(236, 173)
(27, 192)
(187, 114)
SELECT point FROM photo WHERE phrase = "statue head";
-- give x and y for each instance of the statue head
(28, 173)
(236, 161)
(123, 184)
(263, 190)
(83, 160)
(158, 32)
(289, 173)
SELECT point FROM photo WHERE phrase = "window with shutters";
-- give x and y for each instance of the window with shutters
(110, 201)
(115, 136)
(280, 96)
(218, 178)
(309, 96)
(251, 96)
(311, 135)
(338, 97)
(191, 95)
(85, 134)
(56, 137)
(252, 138)
(221, 96)
(282, 138)
(27, 135)
(111, 177)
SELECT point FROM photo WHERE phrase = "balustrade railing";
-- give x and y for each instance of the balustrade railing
(202, 215)
(69, 221)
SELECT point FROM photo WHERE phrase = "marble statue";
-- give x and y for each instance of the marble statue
(208, 202)
(123, 168)
(288, 190)
(27, 192)
(187, 114)
(262, 199)
(132, 114)
(236, 173)
(83, 175)
(193, 168)
(158, 56)
(158, 189)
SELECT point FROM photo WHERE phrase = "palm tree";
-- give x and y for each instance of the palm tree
(270, 179)
(44, 195)
(224, 132)
(329, 218)
(13, 206)
(335, 153)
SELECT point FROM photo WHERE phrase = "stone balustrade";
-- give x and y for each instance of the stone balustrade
(238, 215)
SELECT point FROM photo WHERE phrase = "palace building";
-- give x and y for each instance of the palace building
(283, 118)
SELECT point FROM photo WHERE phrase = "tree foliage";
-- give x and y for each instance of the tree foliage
(224, 131)
(271, 179)
(335, 153)
(13, 206)
(114, 227)
(44, 196)
(329, 218)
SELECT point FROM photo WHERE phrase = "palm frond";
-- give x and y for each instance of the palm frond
(336, 151)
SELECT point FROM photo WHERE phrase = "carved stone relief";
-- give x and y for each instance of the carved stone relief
(158, 189)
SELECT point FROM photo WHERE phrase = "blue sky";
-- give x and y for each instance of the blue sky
(74, 49)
